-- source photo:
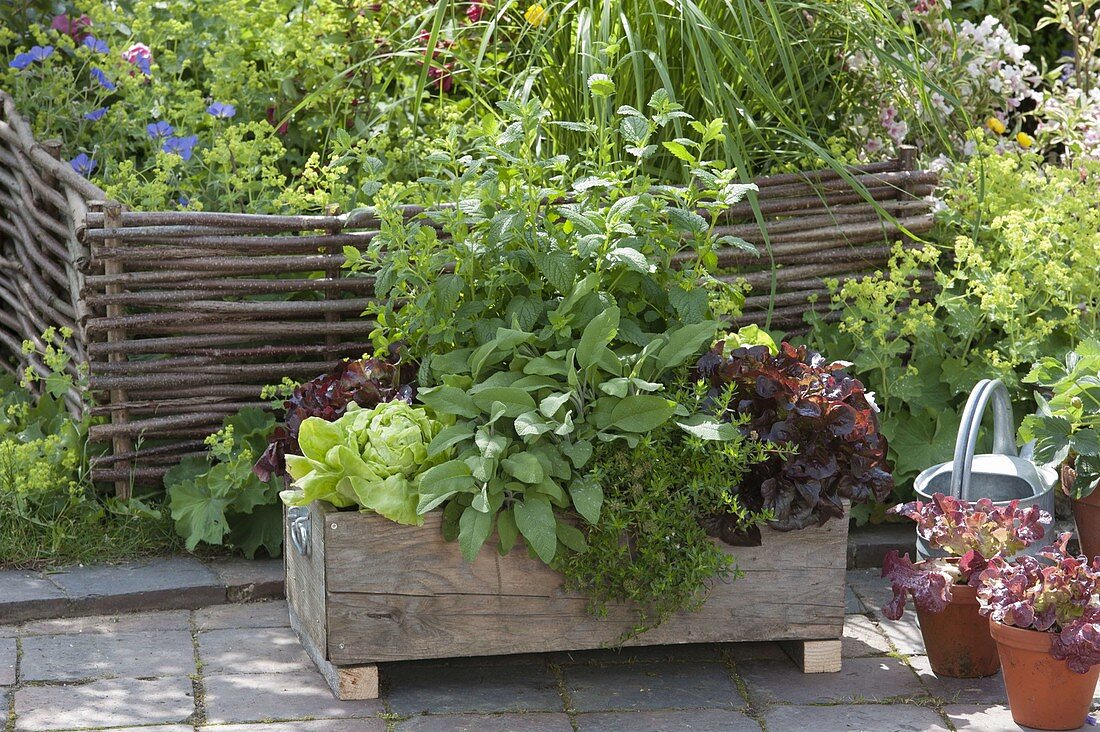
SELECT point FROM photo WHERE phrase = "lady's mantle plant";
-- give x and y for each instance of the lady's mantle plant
(1066, 428)
(1058, 596)
(972, 533)
(796, 397)
(541, 297)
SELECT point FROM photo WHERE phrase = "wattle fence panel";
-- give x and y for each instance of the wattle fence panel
(184, 316)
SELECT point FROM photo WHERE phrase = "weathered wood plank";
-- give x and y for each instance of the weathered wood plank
(397, 593)
(305, 583)
(815, 656)
(348, 683)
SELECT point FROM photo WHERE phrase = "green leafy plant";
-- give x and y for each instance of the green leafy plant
(545, 308)
(50, 512)
(370, 457)
(651, 546)
(216, 498)
(1009, 282)
(1066, 427)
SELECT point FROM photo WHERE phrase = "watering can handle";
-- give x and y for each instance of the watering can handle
(967, 440)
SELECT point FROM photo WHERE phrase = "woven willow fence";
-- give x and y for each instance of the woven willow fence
(184, 316)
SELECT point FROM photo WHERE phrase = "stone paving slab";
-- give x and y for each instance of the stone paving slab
(686, 653)
(691, 720)
(7, 661)
(990, 690)
(537, 722)
(29, 595)
(273, 614)
(316, 725)
(860, 680)
(418, 688)
(985, 718)
(108, 703)
(312, 725)
(855, 718)
(111, 624)
(862, 637)
(257, 651)
(277, 697)
(169, 583)
(248, 580)
(129, 655)
(650, 686)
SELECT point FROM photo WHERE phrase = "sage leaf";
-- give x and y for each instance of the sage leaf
(535, 520)
(473, 529)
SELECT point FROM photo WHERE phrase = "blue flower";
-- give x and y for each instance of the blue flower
(41, 53)
(143, 63)
(181, 146)
(221, 110)
(104, 82)
(95, 115)
(159, 130)
(37, 53)
(184, 201)
(95, 44)
(83, 164)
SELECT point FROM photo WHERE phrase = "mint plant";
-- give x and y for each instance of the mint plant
(1066, 427)
(541, 297)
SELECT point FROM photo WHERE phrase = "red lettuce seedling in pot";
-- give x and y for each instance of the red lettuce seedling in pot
(972, 533)
(1058, 596)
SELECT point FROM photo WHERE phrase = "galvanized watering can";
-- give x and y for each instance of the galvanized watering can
(1002, 476)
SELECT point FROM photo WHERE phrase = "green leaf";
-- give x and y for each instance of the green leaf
(199, 515)
(507, 531)
(535, 520)
(679, 151)
(632, 258)
(491, 445)
(530, 424)
(558, 267)
(439, 483)
(634, 129)
(578, 452)
(641, 413)
(515, 401)
(706, 427)
(261, 529)
(599, 332)
(448, 400)
(317, 436)
(523, 466)
(587, 498)
(450, 436)
(473, 529)
(1087, 442)
(550, 405)
(571, 537)
(685, 342)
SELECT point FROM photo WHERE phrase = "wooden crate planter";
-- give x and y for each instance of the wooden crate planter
(369, 591)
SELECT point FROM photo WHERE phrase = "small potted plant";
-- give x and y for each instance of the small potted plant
(956, 636)
(1066, 431)
(1045, 618)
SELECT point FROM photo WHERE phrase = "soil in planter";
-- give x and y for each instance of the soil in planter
(1042, 691)
(1086, 514)
(957, 640)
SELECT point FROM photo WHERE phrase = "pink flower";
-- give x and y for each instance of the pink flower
(475, 11)
(273, 120)
(75, 28)
(440, 77)
(139, 55)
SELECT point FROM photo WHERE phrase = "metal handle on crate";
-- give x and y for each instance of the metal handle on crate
(1004, 442)
(299, 528)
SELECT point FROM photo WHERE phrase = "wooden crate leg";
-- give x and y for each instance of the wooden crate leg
(814, 657)
(348, 683)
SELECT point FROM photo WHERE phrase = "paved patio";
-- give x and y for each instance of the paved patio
(238, 668)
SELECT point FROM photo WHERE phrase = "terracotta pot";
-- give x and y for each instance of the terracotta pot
(957, 640)
(1042, 692)
(1086, 514)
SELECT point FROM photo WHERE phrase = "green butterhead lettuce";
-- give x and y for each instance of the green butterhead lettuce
(369, 457)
